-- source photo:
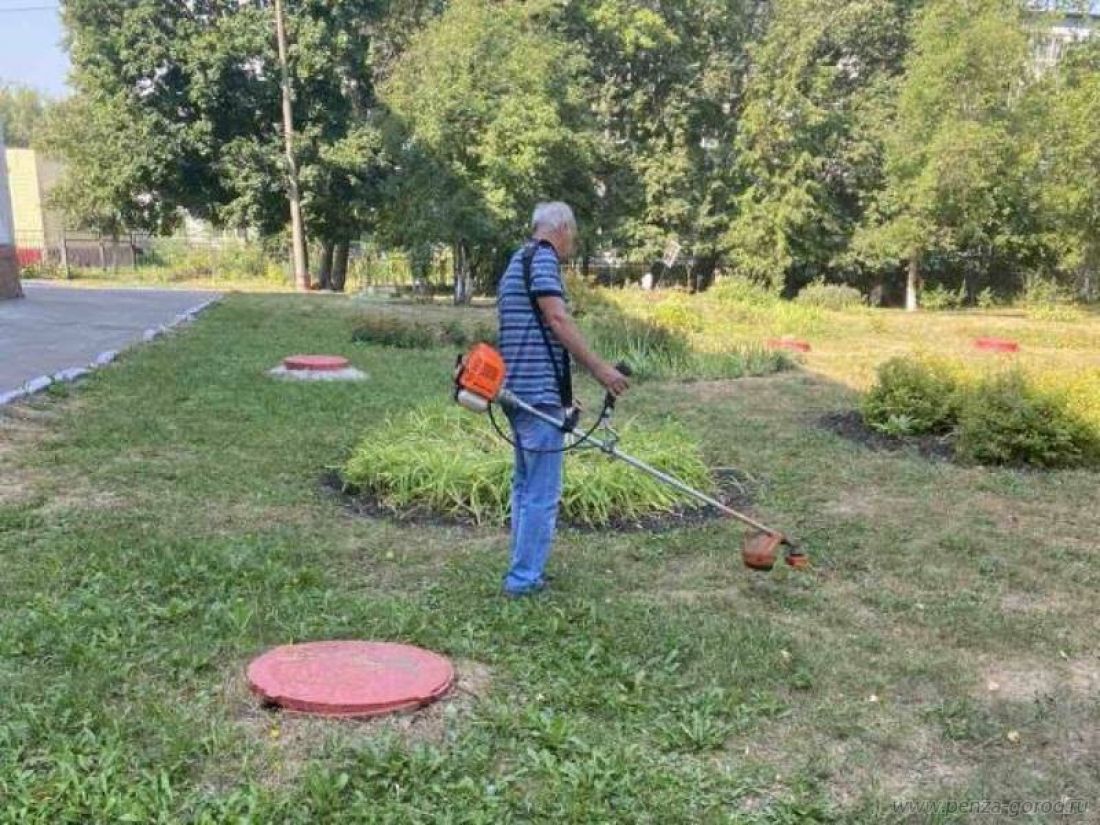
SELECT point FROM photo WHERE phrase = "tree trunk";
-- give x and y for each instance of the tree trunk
(64, 248)
(102, 255)
(9, 273)
(340, 266)
(462, 274)
(912, 282)
(325, 264)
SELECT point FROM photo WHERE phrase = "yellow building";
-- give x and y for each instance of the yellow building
(30, 177)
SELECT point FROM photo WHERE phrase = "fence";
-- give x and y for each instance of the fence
(78, 251)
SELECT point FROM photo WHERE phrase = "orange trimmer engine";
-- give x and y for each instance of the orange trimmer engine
(479, 378)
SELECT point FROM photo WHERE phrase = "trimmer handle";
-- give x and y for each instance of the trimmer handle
(609, 399)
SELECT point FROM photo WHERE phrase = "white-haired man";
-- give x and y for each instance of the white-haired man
(537, 338)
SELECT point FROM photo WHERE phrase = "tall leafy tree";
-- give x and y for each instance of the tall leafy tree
(806, 146)
(664, 84)
(488, 106)
(1068, 108)
(21, 112)
(198, 82)
(112, 169)
(956, 161)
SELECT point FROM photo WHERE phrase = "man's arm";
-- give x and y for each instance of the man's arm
(556, 315)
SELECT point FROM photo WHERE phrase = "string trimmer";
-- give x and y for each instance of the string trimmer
(479, 384)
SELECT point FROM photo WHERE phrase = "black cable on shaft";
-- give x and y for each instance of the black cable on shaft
(572, 446)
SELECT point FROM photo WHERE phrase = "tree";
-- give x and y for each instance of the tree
(111, 177)
(1068, 105)
(194, 86)
(955, 157)
(21, 111)
(487, 108)
(806, 149)
(664, 84)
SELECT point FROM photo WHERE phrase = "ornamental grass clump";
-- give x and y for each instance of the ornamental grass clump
(445, 461)
(654, 351)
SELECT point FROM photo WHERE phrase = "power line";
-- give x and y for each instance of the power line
(21, 9)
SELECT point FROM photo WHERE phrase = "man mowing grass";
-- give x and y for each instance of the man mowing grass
(537, 338)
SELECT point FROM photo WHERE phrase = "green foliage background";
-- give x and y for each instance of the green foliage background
(791, 141)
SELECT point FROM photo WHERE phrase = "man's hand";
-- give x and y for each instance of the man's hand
(612, 380)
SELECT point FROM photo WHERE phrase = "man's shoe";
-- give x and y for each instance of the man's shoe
(523, 594)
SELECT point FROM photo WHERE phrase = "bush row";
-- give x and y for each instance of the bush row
(1002, 418)
(652, 349)
(390, 330)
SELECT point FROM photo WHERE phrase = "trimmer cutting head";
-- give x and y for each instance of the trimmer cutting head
(761, 549)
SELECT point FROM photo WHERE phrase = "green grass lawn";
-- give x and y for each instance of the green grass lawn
(163, 524)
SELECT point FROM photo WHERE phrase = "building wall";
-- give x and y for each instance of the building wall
(26, 198)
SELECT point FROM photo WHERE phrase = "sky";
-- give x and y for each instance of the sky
(30, 46)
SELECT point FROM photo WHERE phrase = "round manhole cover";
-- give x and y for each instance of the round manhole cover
(789, 343)
(350, 678)
(997, 345)
(316, 363)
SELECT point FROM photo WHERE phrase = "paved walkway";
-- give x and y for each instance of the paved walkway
(57, 327)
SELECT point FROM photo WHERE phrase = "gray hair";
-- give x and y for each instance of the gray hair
(554, 216)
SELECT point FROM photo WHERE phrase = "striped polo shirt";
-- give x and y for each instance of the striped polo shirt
(530, 372)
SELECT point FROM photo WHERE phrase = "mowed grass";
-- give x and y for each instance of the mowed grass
(847, 346)
(164, 524)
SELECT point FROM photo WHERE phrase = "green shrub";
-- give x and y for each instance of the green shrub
(911, 396)
(736, 289)
(394, 331)
(678, 318)
(40, 269)
(987, 299)
(445, 460)
(1039, 291)
(584, 299)
(938, 297)
(390, 330)
(1006, 420)
(830, 296)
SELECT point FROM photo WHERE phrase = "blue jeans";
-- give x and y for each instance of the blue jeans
(536, 492)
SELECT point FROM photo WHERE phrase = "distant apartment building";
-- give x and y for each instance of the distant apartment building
(1071, 21)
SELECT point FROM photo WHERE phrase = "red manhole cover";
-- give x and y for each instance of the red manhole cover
(997, 345)
(789, 343)
(350, 678)
(317, 363)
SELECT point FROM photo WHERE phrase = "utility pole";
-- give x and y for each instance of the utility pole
(9, 261)
(297, 231)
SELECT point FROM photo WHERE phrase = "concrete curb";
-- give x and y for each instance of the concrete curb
(71, 374)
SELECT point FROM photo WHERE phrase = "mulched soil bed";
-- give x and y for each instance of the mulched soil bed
(850, 425)
(733, 491)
